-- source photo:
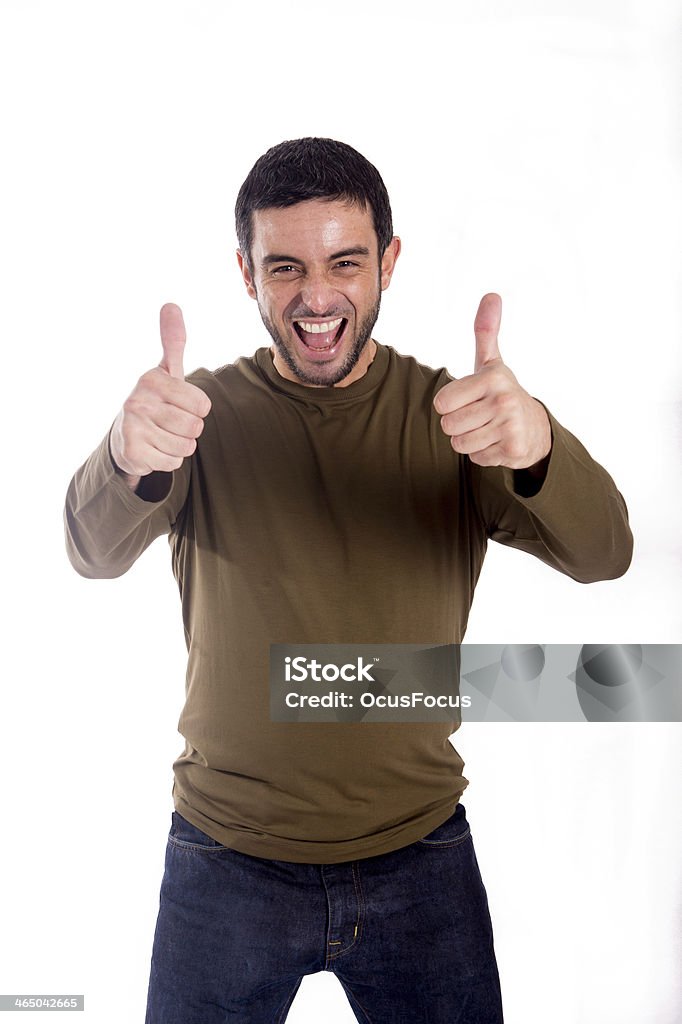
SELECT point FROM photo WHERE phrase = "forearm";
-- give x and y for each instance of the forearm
(107, 523)
(569, 512)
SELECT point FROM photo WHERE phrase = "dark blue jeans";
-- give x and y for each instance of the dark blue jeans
(407, 933)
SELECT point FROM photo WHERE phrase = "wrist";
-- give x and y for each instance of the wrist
(129, 479)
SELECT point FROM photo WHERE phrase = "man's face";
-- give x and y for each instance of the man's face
(318, 280)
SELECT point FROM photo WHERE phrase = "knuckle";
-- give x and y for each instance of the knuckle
(202, 402)
(505, 401)
(130, 434)
(453, 420)
(127, 441)
(148, 379)
(135, 406)
(448, 424)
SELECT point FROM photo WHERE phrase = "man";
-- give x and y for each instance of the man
(327, 490)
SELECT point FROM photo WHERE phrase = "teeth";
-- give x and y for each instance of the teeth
(318, 328)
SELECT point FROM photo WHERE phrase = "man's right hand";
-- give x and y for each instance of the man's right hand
(163, 416)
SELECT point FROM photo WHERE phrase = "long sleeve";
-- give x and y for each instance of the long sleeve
(576, 522)
(108, 526)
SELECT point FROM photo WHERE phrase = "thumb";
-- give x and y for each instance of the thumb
(173, 338)
(486, 329)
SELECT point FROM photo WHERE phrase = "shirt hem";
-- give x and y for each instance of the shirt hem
(311, 852)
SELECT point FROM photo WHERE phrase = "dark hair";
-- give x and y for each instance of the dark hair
(312, 168)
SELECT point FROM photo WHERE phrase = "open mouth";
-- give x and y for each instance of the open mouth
(320, 335)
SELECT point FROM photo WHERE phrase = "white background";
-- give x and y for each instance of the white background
(530, 148)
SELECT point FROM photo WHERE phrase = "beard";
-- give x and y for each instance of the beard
(323, 376)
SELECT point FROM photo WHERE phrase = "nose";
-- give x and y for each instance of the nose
(318, 294)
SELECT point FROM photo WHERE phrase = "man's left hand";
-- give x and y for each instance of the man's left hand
(488, 415)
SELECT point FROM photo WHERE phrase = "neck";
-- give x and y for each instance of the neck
(359, 370)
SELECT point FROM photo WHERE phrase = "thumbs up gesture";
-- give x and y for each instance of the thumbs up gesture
(163, 416)
(488, 415)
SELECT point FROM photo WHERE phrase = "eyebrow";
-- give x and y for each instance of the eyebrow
(355, 250)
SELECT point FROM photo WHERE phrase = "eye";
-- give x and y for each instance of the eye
(343, 264)
(283, 269)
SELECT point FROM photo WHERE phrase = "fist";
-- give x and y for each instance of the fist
(163, 416)
(488, 415)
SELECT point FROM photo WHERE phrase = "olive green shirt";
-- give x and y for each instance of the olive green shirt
(329, 515)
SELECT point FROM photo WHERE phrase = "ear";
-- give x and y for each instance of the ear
(246, 274)
(388, 261)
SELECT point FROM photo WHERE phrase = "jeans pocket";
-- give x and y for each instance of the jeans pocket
(186, 835)
(454, 830)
